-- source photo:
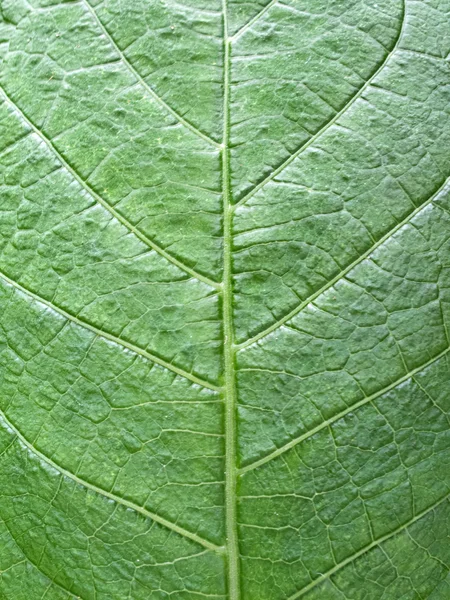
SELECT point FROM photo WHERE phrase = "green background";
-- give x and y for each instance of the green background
(224, 299)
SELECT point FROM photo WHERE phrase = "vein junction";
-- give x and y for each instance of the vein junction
(340, 362)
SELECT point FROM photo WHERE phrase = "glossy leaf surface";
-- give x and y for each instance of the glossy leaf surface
(224, 299)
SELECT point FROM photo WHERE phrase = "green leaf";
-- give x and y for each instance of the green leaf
(224, 299)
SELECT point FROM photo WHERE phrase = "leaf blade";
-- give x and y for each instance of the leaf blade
(224, 306)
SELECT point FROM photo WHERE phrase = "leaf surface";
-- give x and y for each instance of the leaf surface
(224, 299)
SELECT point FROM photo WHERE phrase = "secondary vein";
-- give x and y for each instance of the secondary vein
(340, 415)
(142, 81)
(151, 515)
(443, 189)
(38, 568)
(374, 544)
(103, 202)
(328, 124)
(110, 337)
(252, 21)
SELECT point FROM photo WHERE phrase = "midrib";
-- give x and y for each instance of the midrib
(229, 353)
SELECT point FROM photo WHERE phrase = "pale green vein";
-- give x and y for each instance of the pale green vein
(229, 355)
(444, 188)
(110, 337)
(340, 415)
(328, 124)
(142, 81)
(363, 551)
(117, 499)
(252, 21)
(103, 202)
(28, 559)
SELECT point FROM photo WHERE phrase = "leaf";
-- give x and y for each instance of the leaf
(224, 299)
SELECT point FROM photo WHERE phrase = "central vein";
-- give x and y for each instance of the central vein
(229, 384)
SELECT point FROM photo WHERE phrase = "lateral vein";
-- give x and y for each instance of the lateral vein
(103, 202)
(340, 415)
(143, 511)
(38, 568)
(252, 21)
(444, 188)
(142, 81)
(374, 544)
(329, 123)
(110, 337)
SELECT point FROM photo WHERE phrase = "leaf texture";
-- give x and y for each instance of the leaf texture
(224, 299)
